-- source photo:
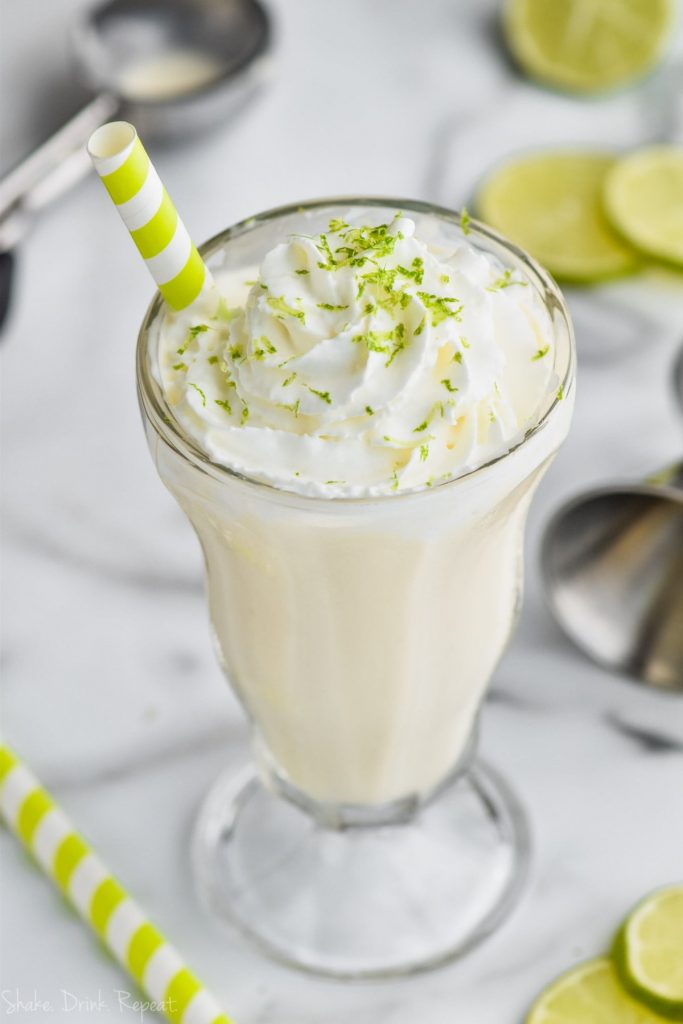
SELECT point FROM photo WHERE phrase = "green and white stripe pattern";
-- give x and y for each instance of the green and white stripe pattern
(101, 901)
(162, 240)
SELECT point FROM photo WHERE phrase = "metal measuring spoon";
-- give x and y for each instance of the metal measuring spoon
(612, 564)
(174, 67)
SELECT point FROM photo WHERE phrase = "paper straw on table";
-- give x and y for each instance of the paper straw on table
(135, 188)
(100, 900)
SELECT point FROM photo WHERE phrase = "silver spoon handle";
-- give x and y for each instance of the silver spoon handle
(54, 163)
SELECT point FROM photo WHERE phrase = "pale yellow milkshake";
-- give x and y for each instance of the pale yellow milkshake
(357, 430)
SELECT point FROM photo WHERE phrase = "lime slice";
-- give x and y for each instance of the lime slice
(643, 198)
(589, 994)
(648, 952)
(587, 45)
(551, 205)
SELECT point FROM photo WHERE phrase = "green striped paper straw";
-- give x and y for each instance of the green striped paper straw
(101, 901)
(146, 209)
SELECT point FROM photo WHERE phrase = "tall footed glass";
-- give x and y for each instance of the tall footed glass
(360, 635)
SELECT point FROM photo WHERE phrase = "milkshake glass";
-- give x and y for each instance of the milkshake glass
(360, 634)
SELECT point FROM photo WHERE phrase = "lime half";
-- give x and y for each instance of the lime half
(648, 952)
(551, 205)
(643, 198)
(589, 994)
(587, 45)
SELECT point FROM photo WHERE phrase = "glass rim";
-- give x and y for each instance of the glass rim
(156, 410)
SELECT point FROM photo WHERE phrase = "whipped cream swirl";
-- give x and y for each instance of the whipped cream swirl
(361, 361)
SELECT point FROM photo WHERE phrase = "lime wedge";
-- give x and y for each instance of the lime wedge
(589, 994)
(643, 198)
(648, 952)
(551, 205)
(587, 45)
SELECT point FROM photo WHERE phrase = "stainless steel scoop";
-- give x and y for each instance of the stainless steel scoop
(612, 563)
(173, 67)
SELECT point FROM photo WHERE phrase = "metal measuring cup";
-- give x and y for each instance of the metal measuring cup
(612, 563)
(231, 37)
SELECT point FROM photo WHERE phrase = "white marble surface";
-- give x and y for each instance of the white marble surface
(111, 691)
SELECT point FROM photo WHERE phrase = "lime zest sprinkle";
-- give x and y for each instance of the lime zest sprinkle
(302, 272)
(375, 341)
(457, 357)
(438, 306)
(245, 413)
(199, 392)
(327, 482)
(361, 245)
(288, 381)
(369, 410)
(560, 393)
(224, 404)
(383, 277)
(505, 281)
(281, 308)
(449, 386)
(180, 366)
(394, 481)
(437, 407)
(464, 342)
(540, 353)
(416, 271)
(424, 452)
(190, 337)
(502, 282)
(420, 327)
(365, 241)
(212, 360)
(292, 407)
(465, 221)
(266, 346)
(324, 250)
(236, 352)
(329, 306)
(399, 332)
(225, 370)
(324, 396)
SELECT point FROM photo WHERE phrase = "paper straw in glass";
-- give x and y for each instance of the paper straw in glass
(146, 209)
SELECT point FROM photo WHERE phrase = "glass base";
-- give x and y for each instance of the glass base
(367, 901)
